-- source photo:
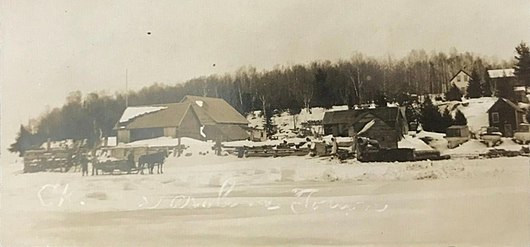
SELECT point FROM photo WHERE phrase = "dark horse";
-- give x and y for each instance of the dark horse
(152, 160)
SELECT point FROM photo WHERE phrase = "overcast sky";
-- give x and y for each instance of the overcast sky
(50, 48)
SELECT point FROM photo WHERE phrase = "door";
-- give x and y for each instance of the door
(508, 132)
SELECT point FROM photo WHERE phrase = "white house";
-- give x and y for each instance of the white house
(461, 80)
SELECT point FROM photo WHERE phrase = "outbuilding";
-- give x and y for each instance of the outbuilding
(506, 116)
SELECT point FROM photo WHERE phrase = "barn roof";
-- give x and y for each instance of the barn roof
(214, 110)
(499, 73)
(506, 102)
(136, 111)
(167, 115)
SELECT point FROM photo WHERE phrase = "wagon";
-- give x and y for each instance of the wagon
(115, 165)
(47, 160)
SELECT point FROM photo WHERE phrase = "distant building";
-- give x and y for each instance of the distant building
(145, 122)
(220, 119)
(461, 80)
(520, 94)
(504, 76)
(196, 117)
(456, 135)
(506, 116)
(390, 124)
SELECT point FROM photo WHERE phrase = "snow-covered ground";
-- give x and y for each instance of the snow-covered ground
(205, 200)
(475, 110)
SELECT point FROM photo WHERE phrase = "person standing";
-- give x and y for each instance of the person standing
(334, 148)
(84, 164)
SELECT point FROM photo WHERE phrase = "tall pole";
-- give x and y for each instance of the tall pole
(126, 89)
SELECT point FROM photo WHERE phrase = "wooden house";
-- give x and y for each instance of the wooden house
(502, 76)
(390, 124)
(506, 116)
(461, 80)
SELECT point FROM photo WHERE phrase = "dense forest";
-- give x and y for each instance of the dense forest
(358, 80)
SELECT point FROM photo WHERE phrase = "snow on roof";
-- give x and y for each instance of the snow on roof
(132, 112)
(498, 73)
(519, 88)
(339, 108)
(475, 110)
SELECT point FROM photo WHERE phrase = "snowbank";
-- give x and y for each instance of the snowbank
(413, 142)
(475, 147)
(475, 110)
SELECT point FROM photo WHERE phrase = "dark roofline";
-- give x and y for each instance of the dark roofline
(361, 113)
(508, 102)
(459, 73)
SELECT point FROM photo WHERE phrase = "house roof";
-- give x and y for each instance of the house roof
(457, 73)
(168, 115)
(214, 110)
(499, 73)
(388, 114)
(507, 102)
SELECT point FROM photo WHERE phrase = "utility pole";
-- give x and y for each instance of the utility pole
(126, 89)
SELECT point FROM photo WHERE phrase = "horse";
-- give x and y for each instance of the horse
(152, 160)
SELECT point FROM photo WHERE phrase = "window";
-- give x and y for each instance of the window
(459, 78)
(495, 117)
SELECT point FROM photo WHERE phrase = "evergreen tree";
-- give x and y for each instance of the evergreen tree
(453, 94)
(23, 142)
(460, 119)
(446, 120)
(522, 67)
(474, 89)
(381, 99)
(430, 116)
(505, 90)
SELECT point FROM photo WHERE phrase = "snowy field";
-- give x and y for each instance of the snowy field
(226, 201)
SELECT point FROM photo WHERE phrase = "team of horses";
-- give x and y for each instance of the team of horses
(129, 165)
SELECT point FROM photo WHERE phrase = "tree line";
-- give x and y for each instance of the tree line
(358, 80)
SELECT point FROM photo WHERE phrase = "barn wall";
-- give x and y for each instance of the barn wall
(123, 136)
(145, 133)
(190, 126)
(170, 132)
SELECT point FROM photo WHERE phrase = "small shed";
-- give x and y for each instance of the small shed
(258, 134)
(457, 131)
(506, 116)
(456, 135)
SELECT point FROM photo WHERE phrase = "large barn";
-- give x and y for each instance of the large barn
(200, 118)
(390, 124)
(220, 120)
